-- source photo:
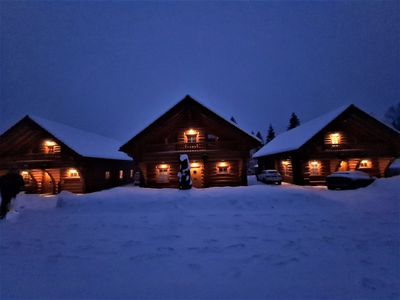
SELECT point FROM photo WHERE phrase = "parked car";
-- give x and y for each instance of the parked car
(348, 180)
(270, 176)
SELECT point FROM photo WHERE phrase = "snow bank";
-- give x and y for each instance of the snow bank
(256, 242)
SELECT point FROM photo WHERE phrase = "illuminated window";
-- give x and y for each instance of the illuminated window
(344, 166)
(191, 136)
(121, 174)
(315, 168)
(72, 173)
(365, 164)
(335, 138)
(131, 173)
(26, 177)
(223, 168)
(107, 175)
(49, 147)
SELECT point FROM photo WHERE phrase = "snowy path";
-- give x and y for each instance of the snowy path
(251, 242)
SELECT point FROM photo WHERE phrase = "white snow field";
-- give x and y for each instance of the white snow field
(255, 242)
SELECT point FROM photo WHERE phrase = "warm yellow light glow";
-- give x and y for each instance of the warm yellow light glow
(335, 138)
(194, 165)
(314, 163)
(50, 143)
(223, 164)
(72, 173)
(285, 162)
(163, 166)
(24, 173)
(365, 164)
(191, 132)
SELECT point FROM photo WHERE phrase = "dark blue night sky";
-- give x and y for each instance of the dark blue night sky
(112, 67)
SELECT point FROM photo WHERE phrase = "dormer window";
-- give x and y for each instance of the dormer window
(191, 136)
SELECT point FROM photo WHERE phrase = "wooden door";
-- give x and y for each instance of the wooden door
(47, 184)
(196, 176)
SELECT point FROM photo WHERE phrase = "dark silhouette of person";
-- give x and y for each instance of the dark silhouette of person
(10, 185)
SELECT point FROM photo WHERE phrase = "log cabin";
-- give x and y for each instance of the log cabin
(53, 157)
(218, 150)
(345, 139)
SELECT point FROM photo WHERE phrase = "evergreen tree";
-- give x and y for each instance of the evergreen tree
(259, 135)
(392, 116)
(233, 120)
(270, 134)
(293, 122)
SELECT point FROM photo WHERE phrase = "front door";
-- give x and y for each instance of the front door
(196, 175)
(47, 184)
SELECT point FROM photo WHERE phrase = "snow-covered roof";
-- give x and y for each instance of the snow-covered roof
(82, 142)
(295, 138)
(189, 98)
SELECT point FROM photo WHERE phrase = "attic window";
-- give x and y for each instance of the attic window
(335, 138)
(49, 146)
(191, 136)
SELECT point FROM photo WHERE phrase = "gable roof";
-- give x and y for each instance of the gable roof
(297, 137)
(82, 142)
(187, 100)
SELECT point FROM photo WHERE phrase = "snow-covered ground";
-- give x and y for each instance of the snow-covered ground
(260, 241)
